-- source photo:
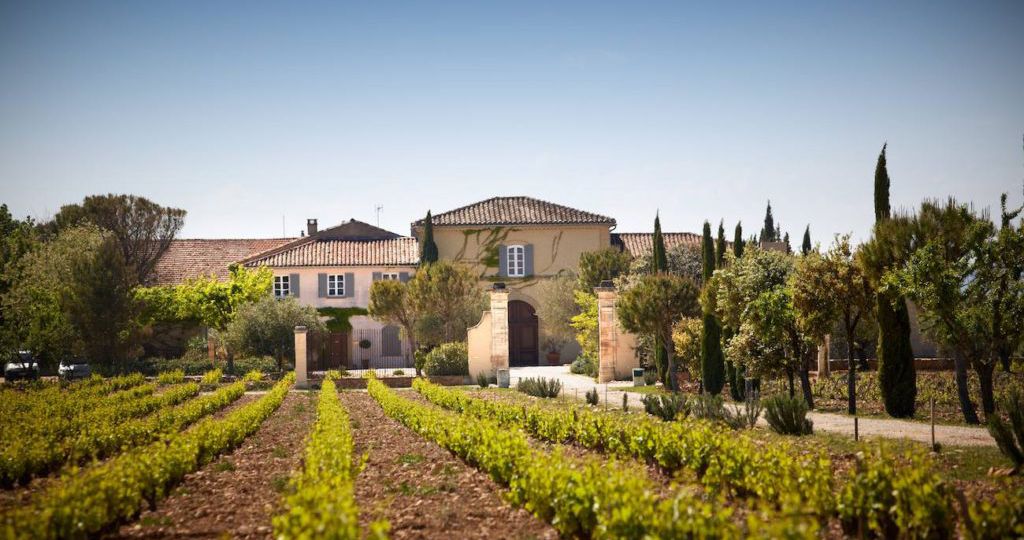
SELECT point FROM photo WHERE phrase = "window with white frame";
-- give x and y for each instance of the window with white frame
(282, 286)
(336, 285)
(393, 276)
(516, 261)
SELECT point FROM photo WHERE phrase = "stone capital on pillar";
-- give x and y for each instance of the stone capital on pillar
(499, 326)
(301, 375)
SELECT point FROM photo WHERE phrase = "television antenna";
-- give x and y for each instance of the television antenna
(379, 208)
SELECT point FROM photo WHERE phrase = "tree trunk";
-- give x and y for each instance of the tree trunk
(1004, 358)
(671, 368)
(805, 385)
(988, 402)
(231, 362)
(789, 376)
(851, 378)
(962, 392)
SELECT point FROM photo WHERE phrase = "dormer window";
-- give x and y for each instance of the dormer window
(516, 261)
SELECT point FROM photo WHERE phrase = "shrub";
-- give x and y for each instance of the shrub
(266, 364)
(1001, 518)
(398, 373)
(539, 387)
(447, 359)
(708, 407)
(592, 397)
(332, 375)
(483, 380)
(668, 407)
(584, 365)
(889, 499)
(788, 415)
(170, 377)
(650, 377)
(752, 411)
(212, 377)
(253, 376)
(1010, 436)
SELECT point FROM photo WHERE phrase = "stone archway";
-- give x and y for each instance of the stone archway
(523, 334)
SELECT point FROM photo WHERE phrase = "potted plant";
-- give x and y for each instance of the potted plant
(553, 346)
(364, 345)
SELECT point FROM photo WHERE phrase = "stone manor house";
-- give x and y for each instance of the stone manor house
(518, 241)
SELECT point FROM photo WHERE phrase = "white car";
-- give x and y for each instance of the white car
(74, 369)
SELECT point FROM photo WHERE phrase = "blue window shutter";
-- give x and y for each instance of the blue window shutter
(350, 285)
(293, 285)
(528, 255)
(403, 277)
(321, 285)
(376, 276)
(502, 260)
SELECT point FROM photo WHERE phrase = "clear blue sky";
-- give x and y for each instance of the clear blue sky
(244, 112)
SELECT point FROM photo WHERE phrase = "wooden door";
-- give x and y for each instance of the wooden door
(337, 348)
(523, 348)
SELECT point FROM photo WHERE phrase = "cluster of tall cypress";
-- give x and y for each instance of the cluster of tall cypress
(712, 360)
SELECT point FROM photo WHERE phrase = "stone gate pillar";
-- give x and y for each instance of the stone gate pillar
(301, 376)
(607, 331)
(499, 326)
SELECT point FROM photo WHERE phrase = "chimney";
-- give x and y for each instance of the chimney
(311, 226)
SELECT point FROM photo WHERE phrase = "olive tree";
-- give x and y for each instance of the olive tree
(447, 299)
(557, 309)
(389, 303)
(267, 327)
(654, 305)
(830, 289)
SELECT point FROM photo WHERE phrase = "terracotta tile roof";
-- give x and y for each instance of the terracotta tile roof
(516, 211)
(191, 258)
(312, 251)
(640, 244)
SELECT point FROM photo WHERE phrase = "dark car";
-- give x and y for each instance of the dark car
(74, 368)
(22, 366)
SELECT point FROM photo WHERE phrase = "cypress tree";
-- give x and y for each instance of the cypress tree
(659, 263)
(737, 241)
(897, 377)
(712, 361)
(428, 250)
(806, 247)
(720, 245)
(785, 240)
(769, 233)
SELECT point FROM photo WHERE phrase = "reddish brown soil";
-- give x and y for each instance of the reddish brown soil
(236, 495)
(422, 490)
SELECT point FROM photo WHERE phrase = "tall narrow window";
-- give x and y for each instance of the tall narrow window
(282, 286)
(516, 261)
(336, 285)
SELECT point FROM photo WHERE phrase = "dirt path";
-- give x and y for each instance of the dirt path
(237, 494)
(578, 385)
(423, 490)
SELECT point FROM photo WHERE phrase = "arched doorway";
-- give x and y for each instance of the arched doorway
(522, 334)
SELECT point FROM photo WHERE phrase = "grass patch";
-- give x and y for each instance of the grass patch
(279, 483)
(224, 465)
(156, 521)
(410, 459)
(279, 452)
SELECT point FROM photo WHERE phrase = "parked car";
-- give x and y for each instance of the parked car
(74, 368)
(22, 366)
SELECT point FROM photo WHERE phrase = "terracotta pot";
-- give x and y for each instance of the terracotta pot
(554, 358)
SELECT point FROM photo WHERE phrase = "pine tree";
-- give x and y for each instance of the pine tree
(806, 247)
(897, 377)
(712, 359)
(737, 241)
(428, 254)
(659, 264)
(720, 245)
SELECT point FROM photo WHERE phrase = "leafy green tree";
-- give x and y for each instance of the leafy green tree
(601, 265)
(585, 325)
(1008, 310)
(17, 239)
(889, 248)
(683, 260)
(654, 305)
(428, 253)
(712, 359)
(447, 299)
(833, 289)
(101, 305)
(389, 303)
(557, 309)
(735, 372)
(806, 246)
(753, 294)
(955, 277)
(41, 282)
(143, 229)
(267, 327)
